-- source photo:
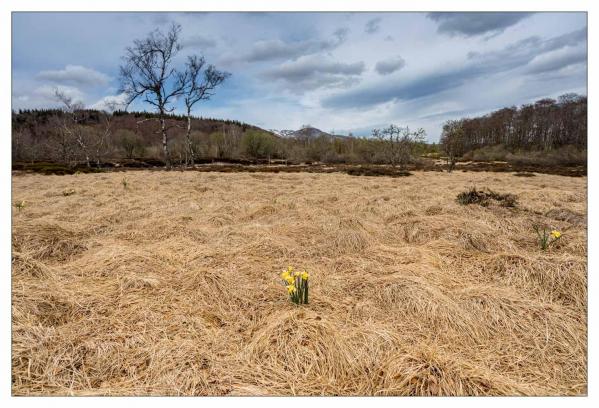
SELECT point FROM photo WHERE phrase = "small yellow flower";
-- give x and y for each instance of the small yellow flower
(291, 289)
(289, 280)
(305, 275)
(285, 275)
(556, 234)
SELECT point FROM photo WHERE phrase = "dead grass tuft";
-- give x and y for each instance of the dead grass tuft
(483, 198)
(49, 242)
(422, 302)
(424, 371)
(302, 345)
(138, 282)
(563, 214)
(350, 235)
(22, 263)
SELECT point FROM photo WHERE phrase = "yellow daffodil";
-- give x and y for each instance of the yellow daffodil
(296, 283)
(556, 234)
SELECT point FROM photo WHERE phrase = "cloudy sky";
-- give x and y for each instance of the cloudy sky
(335, 71)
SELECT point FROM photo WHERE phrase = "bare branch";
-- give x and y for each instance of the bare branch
(201, 86)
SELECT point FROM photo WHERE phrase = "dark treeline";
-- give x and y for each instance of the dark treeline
(548, 125)
(174, 116)
(92, 116)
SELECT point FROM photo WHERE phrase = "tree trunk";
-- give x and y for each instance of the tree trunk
(450, 163)
(167, 158)
(189, 143)
(17, 145)
(64, 153)
(84, 150)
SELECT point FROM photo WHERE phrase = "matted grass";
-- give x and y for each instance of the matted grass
(171, 286)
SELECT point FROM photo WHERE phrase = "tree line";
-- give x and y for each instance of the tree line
(545, 125)
(70, 137)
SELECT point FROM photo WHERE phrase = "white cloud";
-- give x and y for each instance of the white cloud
(44, 96)
(110, 103)
(75, 74)
(49, 92)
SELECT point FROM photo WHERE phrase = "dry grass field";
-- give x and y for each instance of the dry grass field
(171, 286)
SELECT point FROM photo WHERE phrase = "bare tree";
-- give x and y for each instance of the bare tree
(17, 144)
(226, 141)
(399, 143)
(200, 88)
(452, 140)
(104, 133)
(60, 144)
(71, 126)
(102, 142)
(148, 72)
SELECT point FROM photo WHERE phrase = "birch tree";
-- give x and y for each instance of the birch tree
(71, 126)
(148, 73)
(105, 132)
(201, 87)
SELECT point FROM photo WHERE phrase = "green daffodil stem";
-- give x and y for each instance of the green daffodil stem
(306, 292)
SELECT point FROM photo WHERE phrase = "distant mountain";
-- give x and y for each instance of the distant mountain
(282, 133)
(307, 132)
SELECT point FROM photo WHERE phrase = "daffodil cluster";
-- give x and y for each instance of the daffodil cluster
(547, 238)
(296, 283)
